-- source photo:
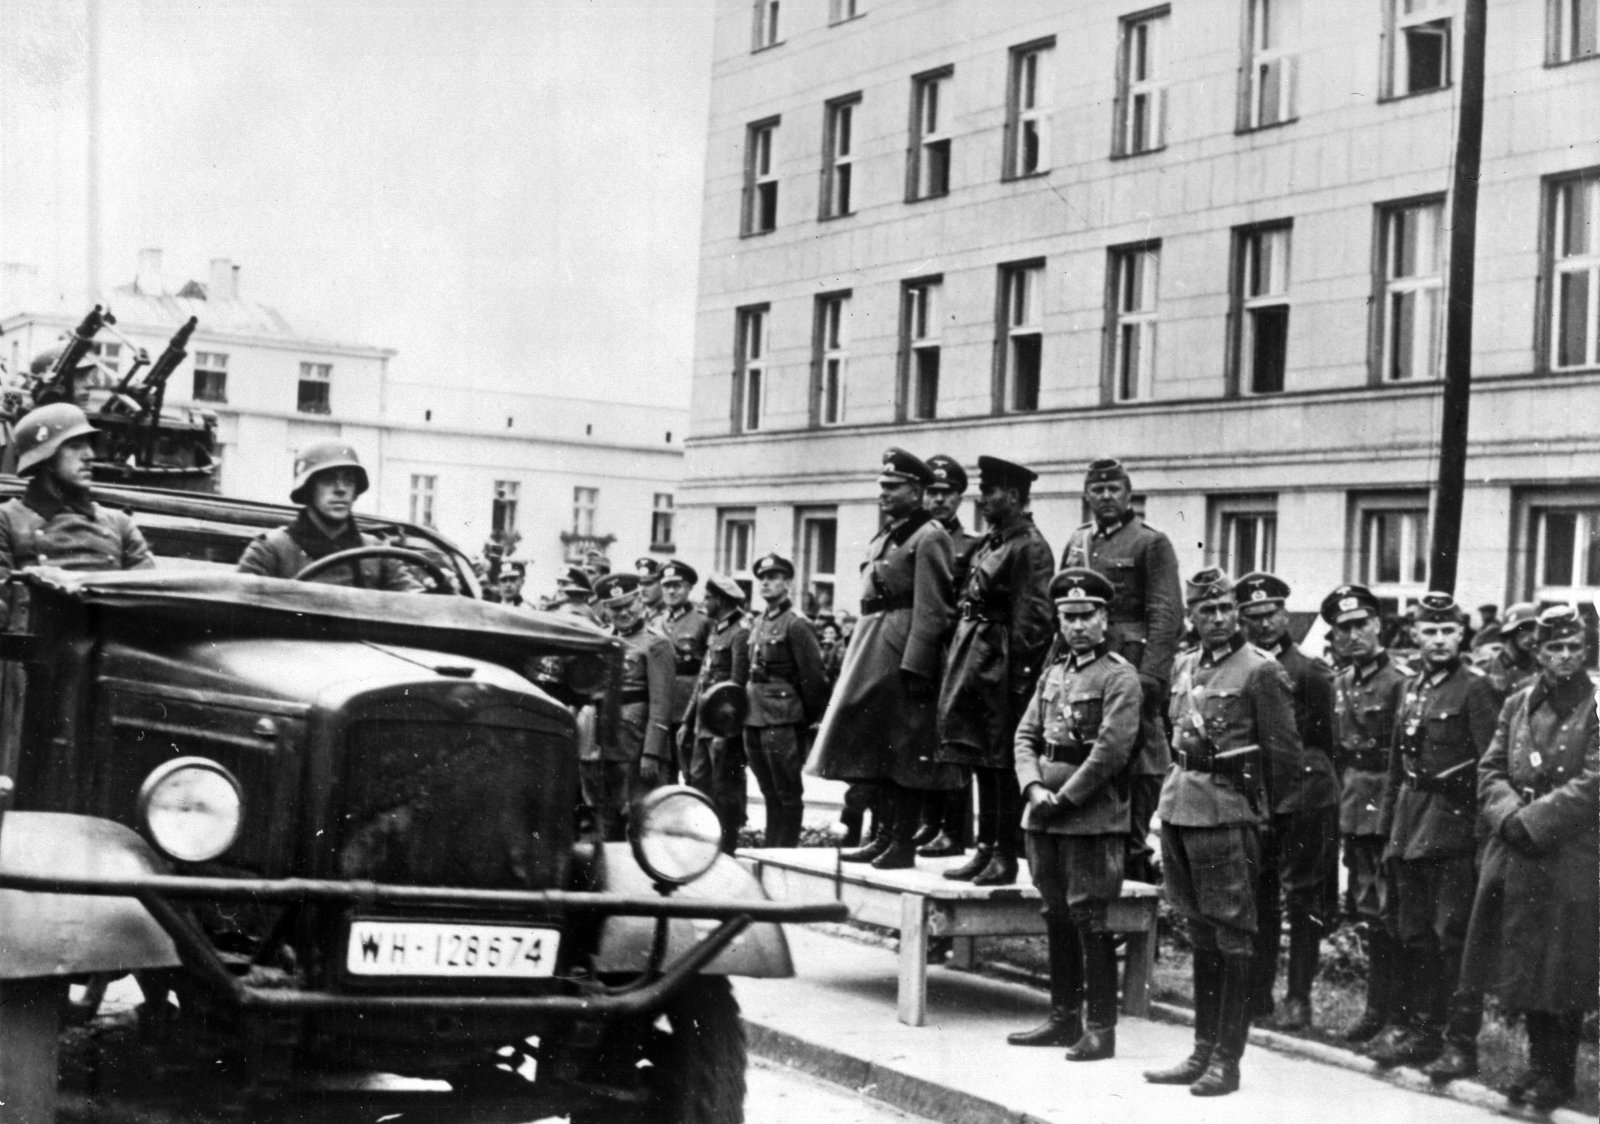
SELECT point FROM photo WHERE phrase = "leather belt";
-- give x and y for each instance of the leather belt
(973, 612)
(870, 605)
(634, 696)
(1067, 753)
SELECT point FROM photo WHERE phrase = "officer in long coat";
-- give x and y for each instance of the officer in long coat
(1146, 624)
(1300, 854)
(712, 763)
(998, 650)
(1072, 751)
(880, 725)
(1367, 694)
(1446, 722)
(1534, 939)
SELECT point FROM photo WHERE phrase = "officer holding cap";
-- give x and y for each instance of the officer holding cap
(1445, 723)
(1146, 623)
(1534, 939)
(1300, 851)
(880, 726)
(1005, 626)
(710, 762)
(788, 690)
(1072, 751)
(328, 479)
(1367, 694)
(1232, 715)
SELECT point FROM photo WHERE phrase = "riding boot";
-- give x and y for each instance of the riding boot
(850, 819)
(1382, 987)
(793, 819)
(1002, 868)
(1207, 996)
(1233, 1029)
(1430, 989)
(772, 835)
(1064, 1025)
(988, 827)
(1552, 1056)
(1463, 1020)
(901, 852)
(967, 871)
(1099, 1039)
(1268, 938)
(1305, 948)
(958, 812)
(882, 829)
(928, 810)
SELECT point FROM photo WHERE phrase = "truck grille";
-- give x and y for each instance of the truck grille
(433, 803)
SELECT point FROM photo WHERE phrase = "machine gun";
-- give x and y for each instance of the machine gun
(145, 444)
(61, 383)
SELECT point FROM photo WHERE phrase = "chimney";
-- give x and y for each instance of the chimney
(224, 284)
(148, 280)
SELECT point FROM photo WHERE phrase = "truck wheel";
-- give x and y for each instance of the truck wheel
(30, 1021)
(691, 1060)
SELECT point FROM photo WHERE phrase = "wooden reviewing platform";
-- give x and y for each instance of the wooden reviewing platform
(920, 904)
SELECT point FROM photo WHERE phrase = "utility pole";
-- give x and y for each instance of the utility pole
(1446, 548)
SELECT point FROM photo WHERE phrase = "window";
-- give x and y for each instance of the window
(1572, 30)
(105, 358)
(1027, 144)
(1020, 336)
(1261, 307)
(1556, 555)
(1271, 63)
(837, 158)
(919, 348)
(1417, 54)
(1410, 308)
(831, 358)
(1141, 85)
(750, 368)
(314, 382)
(422, 493)
(841, 10)
(765, 31)
(1391, 543)
(760, 181)
(1244, 530)
(503, 515)
(929, 159)
(1574, 271)
(736, 531)
(661, 521)
(1132, 318)
(819, 540)
(211, 377)
(584, 502)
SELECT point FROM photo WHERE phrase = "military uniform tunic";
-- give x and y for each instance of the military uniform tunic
(787, 691)
(687, 629)
(1366, 700)
(715, 765)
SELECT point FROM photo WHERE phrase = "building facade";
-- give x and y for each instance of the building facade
(1208, 237)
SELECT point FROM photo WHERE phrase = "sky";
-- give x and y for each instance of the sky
(505, 191)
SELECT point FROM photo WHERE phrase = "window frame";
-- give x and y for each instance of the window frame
(1558, 19)
(830, 358)
(748, 368)
(1385, 290)
(838, 167)
(212, 363)
(1010, 331)
(1527, 569)
(810, 577)
(662, 518)
(1020, 76)
(1226, 510)
(318, 374)
(1144, 320)
(503, 505)
(1551, 270)
(734, 523)
(1395, 25)
(585, 510)
(937, 82)
(760, 173)
(843, 11)
(1359, 552)
(918, 310)
(1259, 15)
(423, 497)
(1243, 304)
(1129, 90)
(765, 26)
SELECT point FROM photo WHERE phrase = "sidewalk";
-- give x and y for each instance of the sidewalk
(836, 1019)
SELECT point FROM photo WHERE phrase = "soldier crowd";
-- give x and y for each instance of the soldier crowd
(1463, 799)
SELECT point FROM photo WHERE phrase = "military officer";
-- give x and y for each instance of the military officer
(1367, 695)
(1514, 666)
(880, 725)
(788, 690)
(1532, 941)
(1146, 623)
(655, 608)
(713, 764)
(509, 584)
(574, 594)
(1072, 751)
(687, 629)
(1232, 713)
(995, 657)
(1300, 849)
(1445, 723)
(637, 762)
(946, 826)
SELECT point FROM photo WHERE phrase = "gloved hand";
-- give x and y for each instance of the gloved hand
(1516, 835)
(650, 771)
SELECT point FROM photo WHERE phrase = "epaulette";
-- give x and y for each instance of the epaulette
(1475, 670)
(1118, 657)
(1260, 651)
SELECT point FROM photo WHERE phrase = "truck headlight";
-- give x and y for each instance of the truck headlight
(191, 807)
(676, 834)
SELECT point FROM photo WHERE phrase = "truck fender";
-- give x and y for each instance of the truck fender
(761, 950)
(67, 934)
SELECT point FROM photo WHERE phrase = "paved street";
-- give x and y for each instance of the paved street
(778, 1095)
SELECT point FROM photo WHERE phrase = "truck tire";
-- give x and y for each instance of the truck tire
(691, 1058)
(30, 1023)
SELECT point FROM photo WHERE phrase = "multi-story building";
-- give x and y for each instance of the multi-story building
(1206, 236)
(548, 477)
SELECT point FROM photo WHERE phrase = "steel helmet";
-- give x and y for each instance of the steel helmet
(321, 458)
(44, 430)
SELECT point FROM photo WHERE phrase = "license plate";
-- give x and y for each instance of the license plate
(426, 948)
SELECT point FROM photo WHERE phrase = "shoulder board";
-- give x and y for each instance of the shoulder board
(1473, 669)
(1262, 652)
(1118, 657)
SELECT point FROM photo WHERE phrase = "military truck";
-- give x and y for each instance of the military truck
(335, 829)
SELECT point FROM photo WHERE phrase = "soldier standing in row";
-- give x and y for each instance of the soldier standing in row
(1072, 751)
(1300, 849)
(1514, 666)
(1000, 643)
(1445, 724)
(1534, 939)
(788, 690)
(649, 571)
(711, 763)
(880, 725)
(1232, 723)
(1146, 623)
(687, 629)
(1367, 694)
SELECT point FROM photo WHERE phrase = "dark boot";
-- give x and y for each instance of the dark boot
(1064, 1025)
(1207, 993)
(1381, 988)
(1553, 1051)
(1305, 948)
(879, 841)
(974, 866)
(1002, 868)
(772, 834)
(1463, 1020)
(1429, 987)
(1456, 1062)
(850, 819)
(901, 853)
(1099, 1039)
(928, 809)
(1269, 934)
(941, 846)
(789, 825)
(1543, 1044)
(1233, 1029)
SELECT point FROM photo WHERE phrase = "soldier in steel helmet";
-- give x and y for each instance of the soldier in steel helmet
(328, 479)
(1515, 665)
